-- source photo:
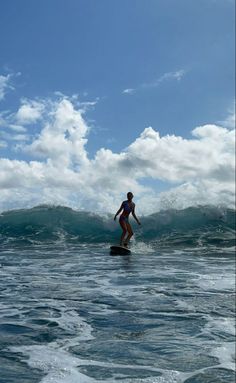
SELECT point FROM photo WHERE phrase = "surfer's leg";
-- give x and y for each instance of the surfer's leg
(124, 228)
(130, 233)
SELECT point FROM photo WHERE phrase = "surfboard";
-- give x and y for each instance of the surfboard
(119, 250)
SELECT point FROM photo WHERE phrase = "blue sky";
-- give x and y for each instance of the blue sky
(162, 63)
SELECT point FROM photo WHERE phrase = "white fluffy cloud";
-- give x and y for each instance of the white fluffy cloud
(62, 139)
(171, 158)
(198, 170)
(29, 112)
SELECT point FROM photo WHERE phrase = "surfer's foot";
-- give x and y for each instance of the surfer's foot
(126, 244)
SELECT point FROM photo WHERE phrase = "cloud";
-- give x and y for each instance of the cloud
(128, 91)
(14, 137)
(229, 121)
(168, 76)
(20, 132)
(176, 159)
(4, 85)
(17, 128)
(62, 138)
(199, 170)
(29, 112)
(3, 144)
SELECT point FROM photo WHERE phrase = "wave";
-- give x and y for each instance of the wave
(202, 225)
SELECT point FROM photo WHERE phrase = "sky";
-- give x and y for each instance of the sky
(98, 98)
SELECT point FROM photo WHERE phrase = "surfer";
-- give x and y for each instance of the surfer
(127, 207)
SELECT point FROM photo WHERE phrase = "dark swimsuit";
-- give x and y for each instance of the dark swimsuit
(127, 209)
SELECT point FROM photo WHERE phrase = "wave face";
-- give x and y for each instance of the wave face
(195, 226)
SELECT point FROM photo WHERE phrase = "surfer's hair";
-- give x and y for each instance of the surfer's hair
(129, 194)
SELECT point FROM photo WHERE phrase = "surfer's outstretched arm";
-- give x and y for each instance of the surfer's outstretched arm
(118, 212)
(135, 217)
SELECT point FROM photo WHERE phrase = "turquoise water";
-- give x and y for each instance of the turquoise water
(71, 313)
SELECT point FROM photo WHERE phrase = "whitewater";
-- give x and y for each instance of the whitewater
(72, 313)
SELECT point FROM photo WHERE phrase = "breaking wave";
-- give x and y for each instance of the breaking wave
(194, 226)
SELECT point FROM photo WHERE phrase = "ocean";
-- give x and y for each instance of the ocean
(72, 313)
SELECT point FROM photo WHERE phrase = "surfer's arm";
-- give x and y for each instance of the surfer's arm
(118, 212)
(135, 217)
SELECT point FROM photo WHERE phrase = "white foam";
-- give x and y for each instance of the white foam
(226, 355)
(71, 320)
(225, 325)
(62, 367)
(59, 366)
(186, 306)
(167, 377)
(219, 282)
(141, 247)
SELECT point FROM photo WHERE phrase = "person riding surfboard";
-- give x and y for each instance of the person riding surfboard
(128, 207)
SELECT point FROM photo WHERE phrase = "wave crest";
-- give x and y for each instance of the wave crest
(191, 226)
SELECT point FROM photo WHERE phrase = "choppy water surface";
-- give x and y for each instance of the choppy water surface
(72, 314)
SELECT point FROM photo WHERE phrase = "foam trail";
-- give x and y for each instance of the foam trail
(62, 367)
